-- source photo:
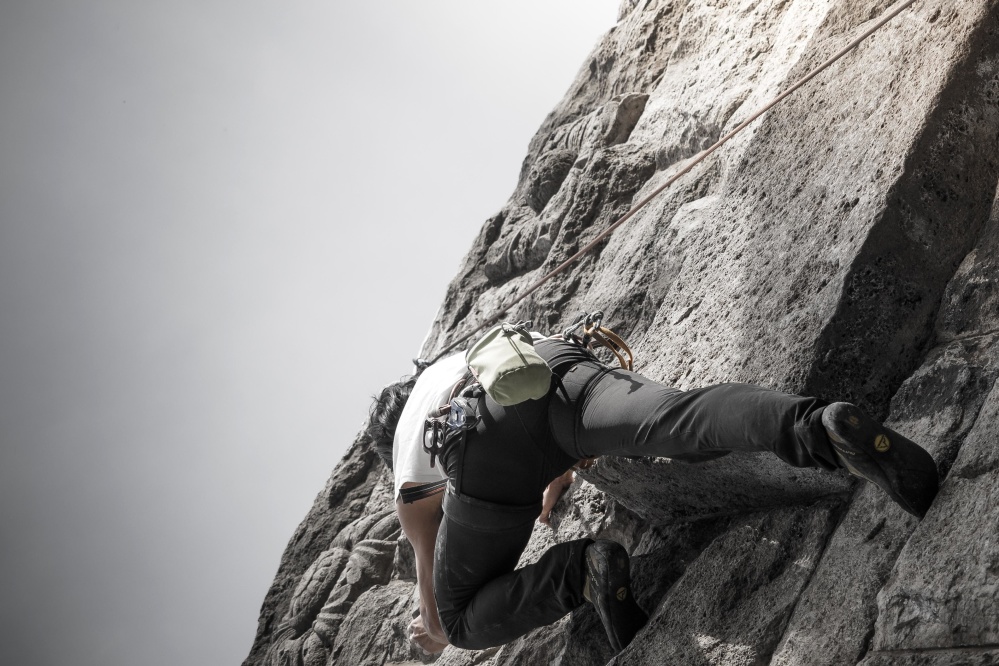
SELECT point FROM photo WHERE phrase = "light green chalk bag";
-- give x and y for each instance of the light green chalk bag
(505, 363)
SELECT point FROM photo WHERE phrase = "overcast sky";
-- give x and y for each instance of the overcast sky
(223, 226)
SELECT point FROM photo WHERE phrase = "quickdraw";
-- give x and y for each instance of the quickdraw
(594, 331)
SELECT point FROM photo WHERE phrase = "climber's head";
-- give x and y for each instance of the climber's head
(384, 416)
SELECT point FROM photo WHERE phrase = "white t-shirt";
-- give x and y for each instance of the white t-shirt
(410, 463)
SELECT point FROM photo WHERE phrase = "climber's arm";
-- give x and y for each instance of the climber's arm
(552, 494)
(420, 521)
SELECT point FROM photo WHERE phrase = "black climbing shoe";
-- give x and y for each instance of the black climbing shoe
(882, 456)
(609, 577)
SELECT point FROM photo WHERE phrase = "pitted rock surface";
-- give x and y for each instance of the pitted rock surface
(732, 603)
(944, 591)
(846, 245)
(375, 630)
(970, 657)
(314, 589)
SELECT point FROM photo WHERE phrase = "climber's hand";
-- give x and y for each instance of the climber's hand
(426, 643)
(553, 492)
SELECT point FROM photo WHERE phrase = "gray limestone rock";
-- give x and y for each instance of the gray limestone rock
(944, 590)
(314, 589)
(586, 512)
(378, 525)
(970, 305)
(376, 630)
(937, 407)
(523, 244)
(664, 553)
(342, 501)
(846, 245)
(971, 657)
(952, 598)
(547, 176)
(732, 603)
(370, 564)
(833, 620)
(455, 657)
(663, 491)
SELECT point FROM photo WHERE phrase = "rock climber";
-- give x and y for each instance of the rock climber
(517, 461)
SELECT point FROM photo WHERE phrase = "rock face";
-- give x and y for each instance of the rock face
(846, 245)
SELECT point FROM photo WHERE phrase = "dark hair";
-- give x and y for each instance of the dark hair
(384, 416)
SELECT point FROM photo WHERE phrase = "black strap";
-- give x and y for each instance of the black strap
(462, 436)
(422, 491)
(446, 428)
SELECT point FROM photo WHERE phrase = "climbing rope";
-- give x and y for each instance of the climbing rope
(700, 157)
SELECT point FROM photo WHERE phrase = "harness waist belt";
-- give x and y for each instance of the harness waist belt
(422, 491)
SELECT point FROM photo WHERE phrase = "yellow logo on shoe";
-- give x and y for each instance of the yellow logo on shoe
(622, 593)
(881, 444)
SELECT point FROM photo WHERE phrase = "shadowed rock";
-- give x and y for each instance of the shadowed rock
(967, 657)
(732, 603)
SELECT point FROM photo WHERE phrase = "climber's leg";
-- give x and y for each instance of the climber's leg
(618, 412)
(481, 599)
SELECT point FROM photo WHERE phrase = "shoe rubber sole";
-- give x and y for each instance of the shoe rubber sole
(609, 572)
(871, 451)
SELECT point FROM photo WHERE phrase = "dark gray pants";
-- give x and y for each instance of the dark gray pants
(619, 412)
(516, 451)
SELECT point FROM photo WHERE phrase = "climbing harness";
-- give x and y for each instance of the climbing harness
(697, 159)
(448, 425)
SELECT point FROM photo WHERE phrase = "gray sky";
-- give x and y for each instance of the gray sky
(211, 215)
